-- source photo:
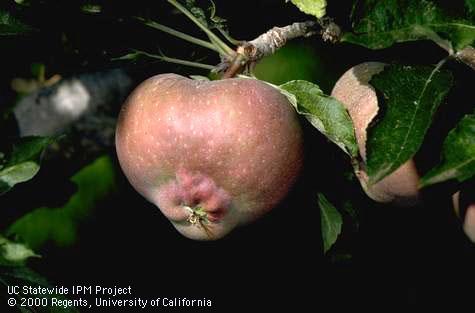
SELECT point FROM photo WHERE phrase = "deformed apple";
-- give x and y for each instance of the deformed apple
(360, 99)
(211, 155)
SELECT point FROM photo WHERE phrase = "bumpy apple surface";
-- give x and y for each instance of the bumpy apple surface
(360, 99)
(211, 155)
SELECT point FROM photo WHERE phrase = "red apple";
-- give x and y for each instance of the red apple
(464, 206)
(211, 155)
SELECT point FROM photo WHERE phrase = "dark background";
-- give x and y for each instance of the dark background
(401, 257)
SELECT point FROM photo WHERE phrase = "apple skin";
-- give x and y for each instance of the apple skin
(360, 99)
(464, 206)
(212, 155)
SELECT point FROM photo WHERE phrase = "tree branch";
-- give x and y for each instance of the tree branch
(467, 56)
(274, 39)
(267, 43)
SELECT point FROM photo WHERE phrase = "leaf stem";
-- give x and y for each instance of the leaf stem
(224, 49)
(440, 64)
(179, 34)
(177, 61)
(226, 36)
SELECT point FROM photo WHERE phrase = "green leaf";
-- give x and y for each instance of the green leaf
(458, 155)
(11, 26)
(14, 253)
(91, 8)
(383, 23)
(411, 97)
(331, 222)
(198, 12)
(23, 163)
(24, 2)
(207, 17)
(218, 22)
(27, 149)
(133, 56)
(316, 8)
(15, 174)
(325, 113)
(470, 5)
(59, 225)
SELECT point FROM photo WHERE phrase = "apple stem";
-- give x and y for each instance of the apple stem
(215, 40)
(235, 67)
(208, 231)
(198, 218)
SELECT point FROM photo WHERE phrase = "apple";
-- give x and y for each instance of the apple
(464, 206)
(212, 155)
(360, 99)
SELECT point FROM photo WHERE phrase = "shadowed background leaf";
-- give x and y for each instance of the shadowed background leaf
(11, 26)
(380, 24)
(59, 225)
(331, 222)
(458, 155)
(22, 163)
(15, 275)
(296, 60)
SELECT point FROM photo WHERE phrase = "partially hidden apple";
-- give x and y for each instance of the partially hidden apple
(361, 101)
(212, 155)
(464, 206)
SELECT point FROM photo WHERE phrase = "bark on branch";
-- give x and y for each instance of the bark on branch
(467, 56)
(268, 43)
